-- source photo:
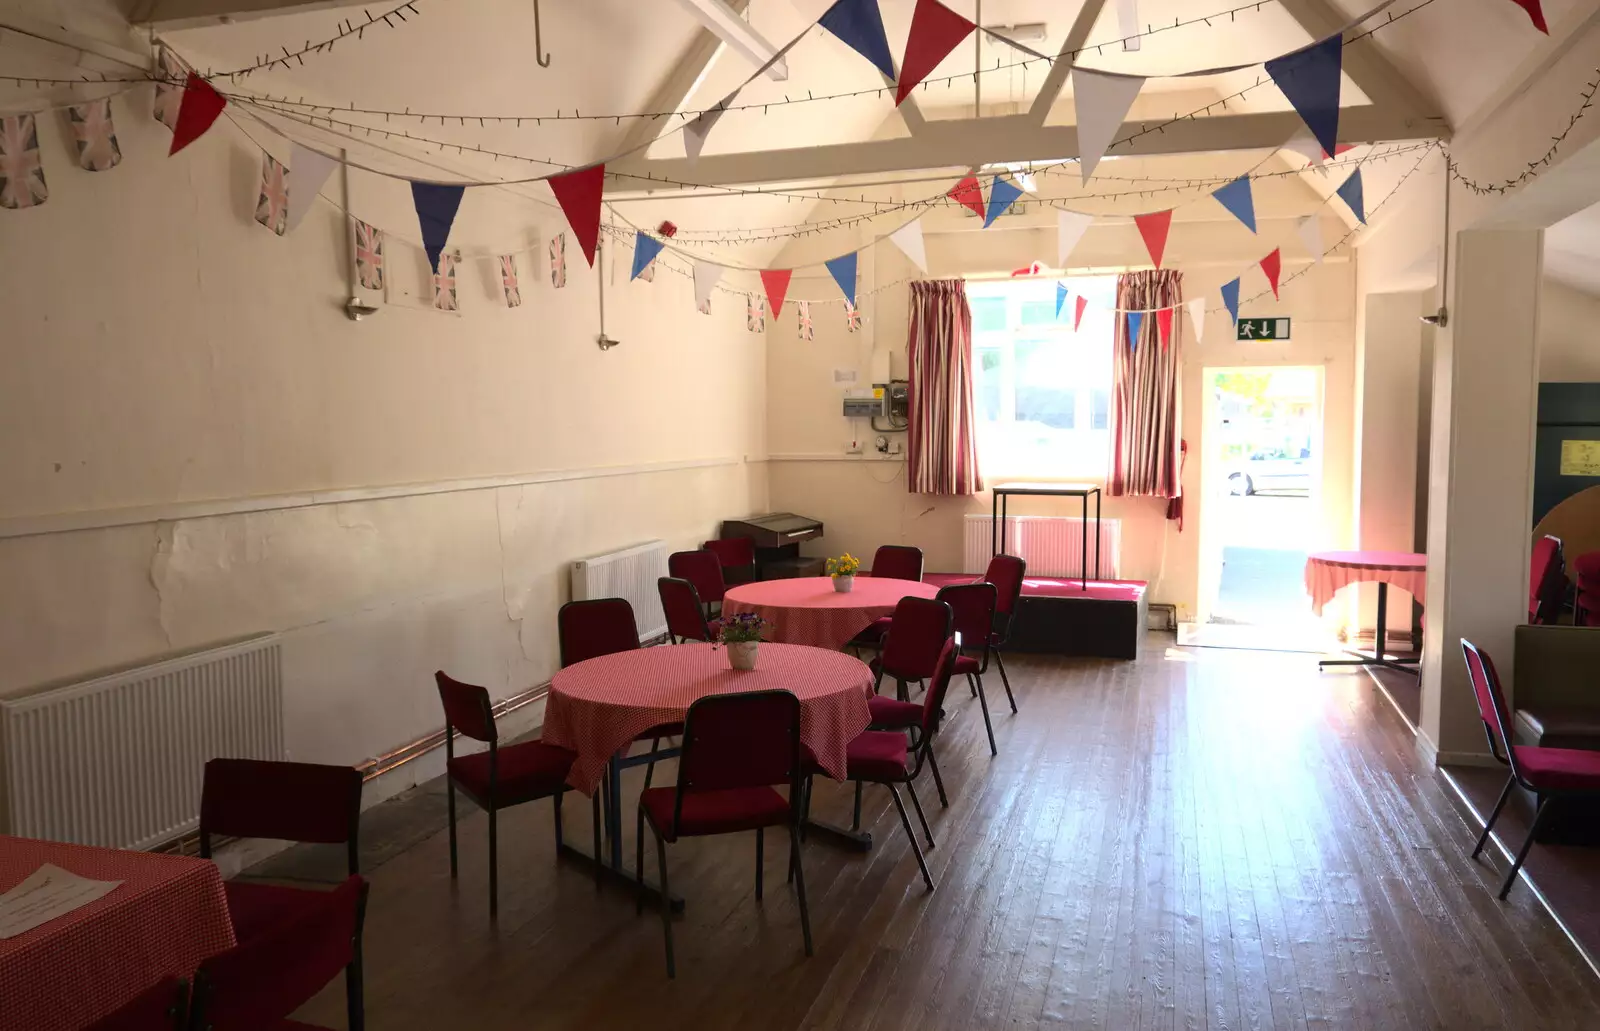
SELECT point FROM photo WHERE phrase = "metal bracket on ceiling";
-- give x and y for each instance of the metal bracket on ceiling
(538, 39)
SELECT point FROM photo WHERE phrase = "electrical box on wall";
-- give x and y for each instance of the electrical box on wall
(896, 399)
(866, 402)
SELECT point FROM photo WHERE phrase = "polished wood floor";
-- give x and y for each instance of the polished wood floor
(1199, 839)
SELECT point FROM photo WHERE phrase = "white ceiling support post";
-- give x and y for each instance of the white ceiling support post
(1051, 90)
(724, 20)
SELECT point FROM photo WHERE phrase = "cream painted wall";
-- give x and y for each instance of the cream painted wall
(1569, 335)
(164, 350)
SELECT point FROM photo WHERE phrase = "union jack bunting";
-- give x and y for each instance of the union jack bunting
(272, 208)
(444, 282)
(95, 134)
(169, 94)
(508, 279)
(558, 261)
(852, 318)
(806, 330)
(21, 175)
(648, 275)
(704, 309)
(369, 256)
(755, 314)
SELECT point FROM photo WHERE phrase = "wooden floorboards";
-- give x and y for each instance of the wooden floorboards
(1199, 839)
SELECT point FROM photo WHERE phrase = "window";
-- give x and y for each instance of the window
(1043, 391)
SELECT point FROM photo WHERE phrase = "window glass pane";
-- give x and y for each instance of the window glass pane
(987, 388)
(1045, 391)
(1100, 409)
(1038, 313)
(988, 313)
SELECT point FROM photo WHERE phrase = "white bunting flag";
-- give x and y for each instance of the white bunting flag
(1070, 227)
(1102, 101)
(909, 239)
(1310, 230)
(705, 279)
(308, 170)
(1128, 23)
(1306, 145)
(1197, 315)
(695, 133)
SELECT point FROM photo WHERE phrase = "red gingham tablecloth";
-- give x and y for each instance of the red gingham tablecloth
(597, 707)
(167, 916)
(1327, 571)
(807, 610)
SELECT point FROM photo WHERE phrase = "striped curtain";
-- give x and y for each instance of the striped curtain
(1145, 419)
(942, 454)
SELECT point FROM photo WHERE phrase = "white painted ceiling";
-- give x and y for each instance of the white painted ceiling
(1572, 251)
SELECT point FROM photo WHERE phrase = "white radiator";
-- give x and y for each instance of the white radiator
(118, 761)
(978, 542)
(1051, 545)
(632, 574)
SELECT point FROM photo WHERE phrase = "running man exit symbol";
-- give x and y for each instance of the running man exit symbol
(1263, 329)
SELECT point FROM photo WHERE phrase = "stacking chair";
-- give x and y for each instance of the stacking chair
(1550, 773)
(1586, 606)
(736, 555)
(973, 606)
(898, 562)
(918, 631)
(1547, 582)
(501, 776)
(1006, 572)
(303, 802)
(736, 747)
(258, 983)
(161, 1007)
(702, 569)
(686, 618)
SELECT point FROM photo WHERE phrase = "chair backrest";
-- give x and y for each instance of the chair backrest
(938, 684)
(702, 569)
(1586, 568)
(686, 620)
(1491, 702)
(466, 708)
(1547, 581)
(590, 629)
(917, 630)
(161, 1007)
(745, 740)
(1006, 572)
(257, 984)
(732, 552)
(898, 562)
(257, 798)
(973, 606)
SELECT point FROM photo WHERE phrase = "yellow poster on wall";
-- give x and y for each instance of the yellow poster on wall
(1580, 458)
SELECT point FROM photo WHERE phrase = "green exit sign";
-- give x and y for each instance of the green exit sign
(1263, 329)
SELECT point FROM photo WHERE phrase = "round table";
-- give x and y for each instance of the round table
(807, 610)
(597, 707)
(1328, 571)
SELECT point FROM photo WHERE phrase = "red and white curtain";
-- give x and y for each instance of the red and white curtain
(1146, 458)
(942, 454)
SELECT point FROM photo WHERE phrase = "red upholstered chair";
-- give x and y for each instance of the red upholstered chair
(1586, 568)
(254, 798)
(161, 1007)
(1547, 581)
(736, 555)
(1006, 572)
(501, 776)
(1550, 773)
(898, 562)
(686, 619)
(918, 631)
(736, 747)
(258, 983)
(973, 606)
(702, 569)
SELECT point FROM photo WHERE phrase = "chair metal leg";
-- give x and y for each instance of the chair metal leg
(976, 683)
(650, 767)
(494, 873)
(638, 865)
(354, 1000)
(800, 885)
(938, 781)
(1522, 853)
(666, 906)
(450, 793)
(901, 691)
(877, 678)
(855, 819)
(911, 836)
(760, 842)
(1505, 794)
(1000, 662)
(922, 817)
(557, 796)
(599, 863)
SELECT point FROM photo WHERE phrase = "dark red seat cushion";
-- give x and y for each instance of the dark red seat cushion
(255, 907)
(892, 714)
(967, 664)
(1560, 769)
(877, 755)
(715, 812)
(528, 770)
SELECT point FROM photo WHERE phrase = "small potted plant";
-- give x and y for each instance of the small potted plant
(741, 632)
(843, 570)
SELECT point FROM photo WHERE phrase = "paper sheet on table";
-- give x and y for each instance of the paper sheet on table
(45, 894)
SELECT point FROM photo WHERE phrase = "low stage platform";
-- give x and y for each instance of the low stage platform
(1058, 616)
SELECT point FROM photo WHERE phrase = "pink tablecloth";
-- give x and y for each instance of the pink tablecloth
(807, 610)
(1327, 571)
(597, 707)
(167, 916)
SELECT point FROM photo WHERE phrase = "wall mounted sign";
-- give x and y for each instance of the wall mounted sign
(1580, 458)
(1263, 329)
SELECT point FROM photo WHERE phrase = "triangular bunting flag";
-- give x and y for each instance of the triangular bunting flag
(1308, 148)
(579, 195)
(695, 133)
(1002, 194)
(1197, 315)
(1070, 227)
(1102, 101)
(1061, 297)
(1310, 233)
(776, 283)
(645, 249)
(1239, 201)
(909, 239)
(843, 271)
(436, 212)
(1310, 78)
(935, 31)
(1350, 192)
(1153, 227)
(1272, 265)
(1230, 298)
(1135, 324)
(859, 25)
(1077, 318)
(968, 194)
(1164, 325)
(1535, 12)
(200, 107)
(308, 170)
(1128, 24)
(705, 278)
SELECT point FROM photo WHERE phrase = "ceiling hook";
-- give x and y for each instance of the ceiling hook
(538, 39)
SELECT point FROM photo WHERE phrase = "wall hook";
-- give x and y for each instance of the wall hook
(538, 39)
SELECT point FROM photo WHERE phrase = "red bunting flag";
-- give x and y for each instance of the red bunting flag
(1272, 264)
(1153, 227)
(1077, 319)
(935, 31)
(1536, 12)
(579, 196)
(199, 108)
(1164, 325)
(776, 282)
(968, 194)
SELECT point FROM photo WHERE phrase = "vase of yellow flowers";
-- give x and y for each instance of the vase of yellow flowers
(741, 632)
(843, 570)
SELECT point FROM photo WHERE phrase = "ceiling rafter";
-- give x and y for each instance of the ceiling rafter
(1062, 66)
(678, 85)
(164, 15)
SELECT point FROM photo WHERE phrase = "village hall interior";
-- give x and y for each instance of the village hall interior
(799, 514)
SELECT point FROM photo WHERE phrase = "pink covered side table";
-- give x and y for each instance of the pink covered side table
(1328, 571)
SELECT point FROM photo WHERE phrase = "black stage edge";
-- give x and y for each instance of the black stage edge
(1088, 626)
